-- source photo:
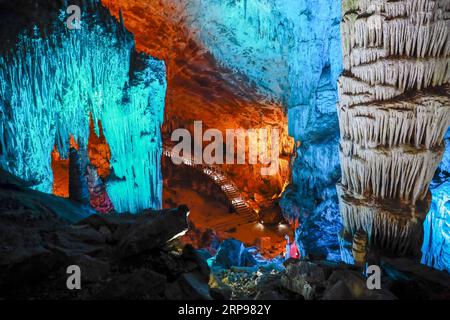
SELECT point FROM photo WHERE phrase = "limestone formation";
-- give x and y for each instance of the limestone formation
(394, 110)
(57, 81)
(359, 248)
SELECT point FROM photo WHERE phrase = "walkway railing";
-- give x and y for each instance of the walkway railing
(244, 213)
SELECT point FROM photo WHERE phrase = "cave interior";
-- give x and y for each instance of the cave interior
(307, 140)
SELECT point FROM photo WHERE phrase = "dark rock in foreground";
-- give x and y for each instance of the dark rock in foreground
(120, 257)
(135, 257)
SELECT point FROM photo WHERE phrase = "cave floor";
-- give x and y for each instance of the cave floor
(205, 213)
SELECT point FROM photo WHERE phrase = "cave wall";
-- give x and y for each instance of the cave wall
(394, 110)
(56, 79)
(291, 51)
(202, 87)
(436, 243)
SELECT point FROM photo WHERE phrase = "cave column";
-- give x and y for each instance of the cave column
(78, 183)
(394, 110)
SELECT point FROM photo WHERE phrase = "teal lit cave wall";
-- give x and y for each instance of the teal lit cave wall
(56, 78)
(315, 65)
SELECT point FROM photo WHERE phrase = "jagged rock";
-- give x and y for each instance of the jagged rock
(99, 222)
(218, 289)
(436, 244)
(222, 293)
(190, 286)
(303, 277)
(36, 247)
(317, 234)
(194, 286)
(269, 288)
(410, 280)
(99, 198)
(93, 269)
(338, 291)
(232, 253)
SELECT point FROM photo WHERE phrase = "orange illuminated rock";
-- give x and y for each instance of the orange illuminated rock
(200, 89)
(60, 168)
(98, 150)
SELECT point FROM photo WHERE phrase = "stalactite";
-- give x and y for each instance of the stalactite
(52, 85)
(394, 110)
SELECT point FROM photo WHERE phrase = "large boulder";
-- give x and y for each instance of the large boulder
(145, 233)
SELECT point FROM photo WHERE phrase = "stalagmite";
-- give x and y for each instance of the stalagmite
(359, 248)
(394, 111)
(78, 183)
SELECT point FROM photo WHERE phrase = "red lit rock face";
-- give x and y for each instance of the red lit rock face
(199, 89)
(99, 199)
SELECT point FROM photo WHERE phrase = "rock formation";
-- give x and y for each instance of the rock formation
(78, 184)
(291, 51)
(394, 110)
(58, 79)
(359, 248)
(201, 85)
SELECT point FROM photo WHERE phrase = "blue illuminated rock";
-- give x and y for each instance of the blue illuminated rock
(436, 244)
(232, 253)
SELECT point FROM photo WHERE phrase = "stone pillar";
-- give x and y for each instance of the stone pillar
(99, 198)
(394, 109)
(78, 185)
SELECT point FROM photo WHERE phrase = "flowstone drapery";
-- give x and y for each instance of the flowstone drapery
(394, 110)
(51, 86)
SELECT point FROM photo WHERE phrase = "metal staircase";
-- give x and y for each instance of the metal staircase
(244, 213)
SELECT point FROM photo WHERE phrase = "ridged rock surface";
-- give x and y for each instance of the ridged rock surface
(394, 110)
